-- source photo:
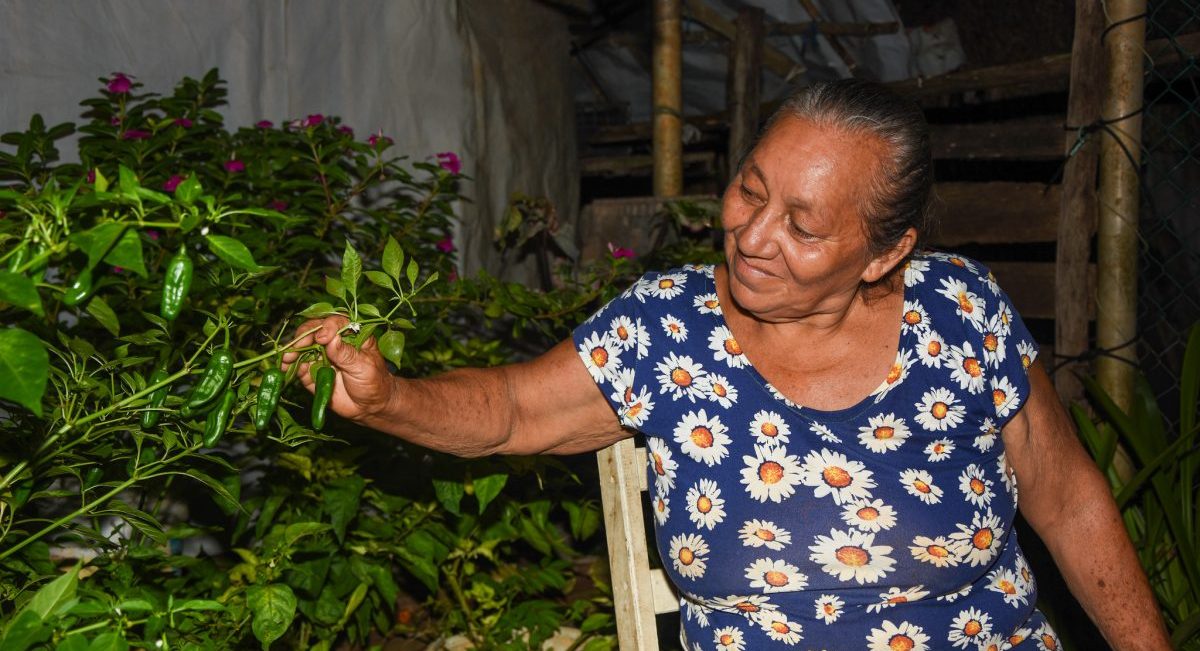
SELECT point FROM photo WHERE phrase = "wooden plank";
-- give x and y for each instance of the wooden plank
(996, 213)
(1030, 285)
(1077, 218)
(640, 459)
(1053, 72)
(774, 59)
(666, 600)
(834, 29)
(814, 13)
(638, 165)
(1036, 138)
(745, 73)
(624, 529)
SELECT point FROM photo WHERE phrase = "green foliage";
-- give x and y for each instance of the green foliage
(1158, 498)
(285, 538)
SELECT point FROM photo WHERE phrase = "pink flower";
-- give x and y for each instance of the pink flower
(118, 270)
(345, 130)
(152, 234)
(278, 205)
(135, 134)
(119, 84)
(621, 252)
(91, 175)
(115, 120)
(452, 276)
(449, 161)
(174, 182)
(378, 139)
(314, 120)
(446, 244)
(264, 124)
(183, 122)
(234, 166)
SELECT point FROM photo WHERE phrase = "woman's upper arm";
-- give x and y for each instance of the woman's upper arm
(557, 407)
(1041, 448)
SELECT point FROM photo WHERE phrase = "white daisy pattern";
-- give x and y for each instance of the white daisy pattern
(832, 473)
(702, 437)
(705, 506)
(674, 328)
(883, 433)
(882, 524)
(771, 474)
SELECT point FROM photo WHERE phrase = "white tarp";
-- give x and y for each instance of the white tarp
(486, 79)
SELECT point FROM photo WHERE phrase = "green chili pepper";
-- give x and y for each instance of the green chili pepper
(268, 397)
(93, 477)
(216, 376)
(321, 395)
(218, 419)
(79, 290)
(151, 415)
(176, 282)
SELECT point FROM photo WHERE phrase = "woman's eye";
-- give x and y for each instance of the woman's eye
(748, 194)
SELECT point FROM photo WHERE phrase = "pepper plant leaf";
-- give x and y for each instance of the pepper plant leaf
(19, 290)
(351, 269)
(273, 608)
(488, 487)
(232, 251)
(127, 253)
(97, 241)
(104, 315)
(24, 368)
(393, 258)
(391, 346)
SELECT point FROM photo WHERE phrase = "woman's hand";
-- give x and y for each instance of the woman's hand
(363, 387)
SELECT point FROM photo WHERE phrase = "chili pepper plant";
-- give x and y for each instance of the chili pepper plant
(165, 484)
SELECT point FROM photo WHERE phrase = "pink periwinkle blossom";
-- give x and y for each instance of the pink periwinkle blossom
(183, 122)
(91, 176)
(135, 134)
(234, 166)
(152, 234)
(314, 120)
(621, 252)
(119, 84)
(174, 182)
(345, 130)
(278, 205)
(449, 161)
(446, 244)
(115, 120)
(378, 139)
(117, 269)
(452, 276)
(264, 124)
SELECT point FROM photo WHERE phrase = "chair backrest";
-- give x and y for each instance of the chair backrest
(639, 592)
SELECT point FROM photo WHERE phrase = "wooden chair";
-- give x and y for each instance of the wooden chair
(639, 591)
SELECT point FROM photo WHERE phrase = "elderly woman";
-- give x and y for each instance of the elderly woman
(836, 420)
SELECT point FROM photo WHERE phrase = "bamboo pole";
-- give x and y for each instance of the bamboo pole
(1116, 300)
(1077, 219)
(745, 72)
(668, 98)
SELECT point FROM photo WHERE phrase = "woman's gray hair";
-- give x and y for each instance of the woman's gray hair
(900, 194)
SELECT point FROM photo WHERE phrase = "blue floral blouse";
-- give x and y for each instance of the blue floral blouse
(886, 526)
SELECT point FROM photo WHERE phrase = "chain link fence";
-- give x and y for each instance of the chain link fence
(1169, 229)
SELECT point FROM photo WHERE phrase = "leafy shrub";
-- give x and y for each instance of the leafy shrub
(290, 536)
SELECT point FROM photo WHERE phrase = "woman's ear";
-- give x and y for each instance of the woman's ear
(883, 263)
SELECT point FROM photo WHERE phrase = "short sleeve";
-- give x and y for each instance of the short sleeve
(650, 318)
(1008, 351)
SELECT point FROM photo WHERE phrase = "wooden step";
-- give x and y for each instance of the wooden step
(996, 213)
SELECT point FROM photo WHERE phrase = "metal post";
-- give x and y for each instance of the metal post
(668, 98)
(1116, 300)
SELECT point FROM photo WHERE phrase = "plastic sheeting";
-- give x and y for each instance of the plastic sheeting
(487, 79)
(884, 57)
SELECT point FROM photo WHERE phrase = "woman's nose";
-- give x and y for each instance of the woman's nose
(755, 237)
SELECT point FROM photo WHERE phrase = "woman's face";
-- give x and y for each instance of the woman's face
(795, 242)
